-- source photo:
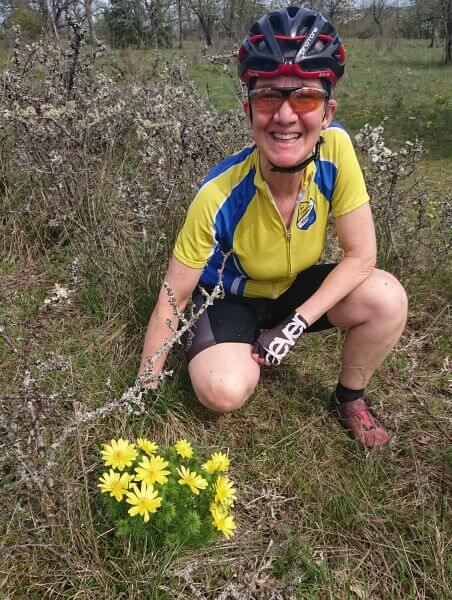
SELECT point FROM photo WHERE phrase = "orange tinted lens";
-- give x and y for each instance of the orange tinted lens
(267, 101)
(303, 102)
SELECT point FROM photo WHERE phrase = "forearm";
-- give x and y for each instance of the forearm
(344, 278)
(157, 333)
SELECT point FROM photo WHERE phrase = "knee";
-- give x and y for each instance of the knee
(226, 394)
(389, 299)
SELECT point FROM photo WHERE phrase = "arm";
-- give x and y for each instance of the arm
(357, 238)
(182, 280)
(356, 235)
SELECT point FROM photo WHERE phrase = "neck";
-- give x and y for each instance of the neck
(280, 184)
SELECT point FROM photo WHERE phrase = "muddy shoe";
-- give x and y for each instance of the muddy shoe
(359, 420)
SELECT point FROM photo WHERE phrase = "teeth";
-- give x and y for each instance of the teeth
(286, 136)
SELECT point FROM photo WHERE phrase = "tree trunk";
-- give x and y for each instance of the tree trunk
(179, 17)
(89, 18)
(206, 28)
(447, 55)
(48, 20)
(446, 19)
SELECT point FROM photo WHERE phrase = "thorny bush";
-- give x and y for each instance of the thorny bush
(413, 227)
(90, 157)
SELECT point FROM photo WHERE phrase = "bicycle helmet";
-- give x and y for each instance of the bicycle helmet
(293, 40)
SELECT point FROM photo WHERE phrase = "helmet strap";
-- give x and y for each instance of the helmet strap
(314, 157)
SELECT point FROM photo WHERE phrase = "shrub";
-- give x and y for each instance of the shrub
(413, 226)
(105, 165)
(28, 19)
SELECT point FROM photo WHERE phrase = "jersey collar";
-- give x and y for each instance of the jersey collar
(260, 183)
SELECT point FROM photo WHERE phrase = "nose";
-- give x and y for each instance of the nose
(285, 114)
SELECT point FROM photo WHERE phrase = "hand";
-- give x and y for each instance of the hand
(274, 344)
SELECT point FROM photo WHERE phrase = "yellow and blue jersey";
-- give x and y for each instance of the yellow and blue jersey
(234, 210)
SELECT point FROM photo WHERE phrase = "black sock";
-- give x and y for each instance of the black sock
(344, 394)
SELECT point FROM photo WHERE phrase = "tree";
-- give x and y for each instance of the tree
(88, 4)
(239, 15)
(445, 7)
(428, 19)
(207, 12)
(336, 11)
(23, 15)
(378, 9)
(140, 22)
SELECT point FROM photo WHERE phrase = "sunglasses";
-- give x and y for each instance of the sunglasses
(302, 100)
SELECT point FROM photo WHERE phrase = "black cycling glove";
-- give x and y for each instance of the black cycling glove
(273, 345)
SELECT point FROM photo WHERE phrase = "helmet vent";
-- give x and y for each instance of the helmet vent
(318, 47)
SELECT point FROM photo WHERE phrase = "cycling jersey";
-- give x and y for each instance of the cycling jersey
(234, 210)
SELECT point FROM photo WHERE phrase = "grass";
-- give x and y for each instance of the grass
(318, 517)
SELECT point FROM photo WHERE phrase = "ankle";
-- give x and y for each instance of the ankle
(345, 394)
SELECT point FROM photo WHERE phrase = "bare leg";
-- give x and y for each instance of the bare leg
(224, 376)
(374, 314)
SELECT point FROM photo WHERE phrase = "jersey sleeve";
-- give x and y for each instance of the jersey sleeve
(196, 239)
(350, 189)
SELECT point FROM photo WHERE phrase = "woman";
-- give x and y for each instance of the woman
(269, 205)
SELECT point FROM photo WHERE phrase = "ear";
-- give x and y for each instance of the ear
(329, 113)
(246, 110)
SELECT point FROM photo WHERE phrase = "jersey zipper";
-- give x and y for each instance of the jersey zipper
(289, 258)
(288, 236)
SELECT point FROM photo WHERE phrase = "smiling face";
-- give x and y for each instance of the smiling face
(286, 138)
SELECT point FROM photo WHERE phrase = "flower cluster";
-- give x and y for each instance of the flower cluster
(60, 294)
(385, 161)
(192, 500)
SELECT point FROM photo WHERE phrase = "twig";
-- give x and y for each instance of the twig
(85, 481)
(7, 339)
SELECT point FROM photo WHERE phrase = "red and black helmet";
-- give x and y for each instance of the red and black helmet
(293, 40)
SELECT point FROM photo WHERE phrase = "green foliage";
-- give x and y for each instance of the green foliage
(129, 22)
(28, 19)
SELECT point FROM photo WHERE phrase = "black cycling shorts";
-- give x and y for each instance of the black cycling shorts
(239, 319)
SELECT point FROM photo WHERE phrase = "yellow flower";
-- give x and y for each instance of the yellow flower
(222, 521)
(225, 491)
(152, 470)
(115, 483)
(194, 481)
(147, 446)
(145, 500)
(119, 454)
(184, 449)
(217, 462)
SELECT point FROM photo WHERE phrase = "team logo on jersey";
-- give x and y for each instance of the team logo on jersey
(306, 214)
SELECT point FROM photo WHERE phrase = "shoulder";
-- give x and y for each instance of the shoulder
(223, 181)
(336, 137)
(231, 170)
(338, 146)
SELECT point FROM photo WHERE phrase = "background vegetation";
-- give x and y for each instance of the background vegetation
(100, 158)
